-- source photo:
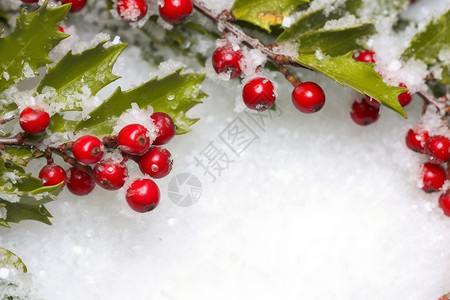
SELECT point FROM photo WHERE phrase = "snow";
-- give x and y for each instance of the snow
(312, 205)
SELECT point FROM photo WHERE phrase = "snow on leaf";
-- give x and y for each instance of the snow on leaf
(334, 42)
(264, 13)
(7, 259)
(357, 75)
(174, 94)
(90, 69)
(427, 44)
(29, 43)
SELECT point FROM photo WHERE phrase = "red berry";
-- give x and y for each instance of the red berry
(437, 148)
(308, 97)
(80, 182)
(77, 5)
(88, 149)
(259, 94)
(433, 177)
(52, 175)
(415, 140)
(34, 120)
(365, 56)
(132, 10)
(133, 139)
(226, 60)
(175, 11)
(60, 29)
(372, 101)
(444, 203)
(143, 195)
(404, 98)
(166, 128)
(157, 162)
(29, 1)
(363, 113)
(110, 175)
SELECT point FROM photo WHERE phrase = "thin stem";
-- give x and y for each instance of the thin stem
(431, 100)
(7, 119)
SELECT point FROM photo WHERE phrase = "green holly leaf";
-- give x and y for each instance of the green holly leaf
(445, 75)
(334, 42)
(59, 124)
(174, 94)
(7, 259)
(427, 44)
(316, 19)
(357, 75)
(26, 48)
(20, 155)
(74, 73)
(264, 13)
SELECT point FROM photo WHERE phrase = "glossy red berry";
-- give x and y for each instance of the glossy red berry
(437, 148)
(259, 94)
(308, 97)
(433, 177)
(372, 102)
(143, 195)
(60, 29)
(363, 113)
(365, 56)
(132, 10)
(444, 203)
(77, 5)
(165, 126)
(404, 98)
(110, 175)
(133, 139)
(88, 149)
(34, 120)
(175, 11)
(52, 175)
(415, 139)
(226, 60)
(156, 162)
(80, 182)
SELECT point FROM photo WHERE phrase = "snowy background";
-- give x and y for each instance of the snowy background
(315, 207)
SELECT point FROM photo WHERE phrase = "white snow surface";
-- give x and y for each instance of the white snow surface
(315, 207)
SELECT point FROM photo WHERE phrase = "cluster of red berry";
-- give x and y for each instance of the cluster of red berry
(134, 143)
(437, 150)
(259, 93)
(172, 11)
(366, 111)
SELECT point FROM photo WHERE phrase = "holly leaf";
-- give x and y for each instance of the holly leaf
(78, 74)
(20, 155)
(316, 19)
(183, 89)
(427, 44)
(445, 75)
(334, 42)
(358, 75)
(26, 48)
(264, 13)
(7, 258)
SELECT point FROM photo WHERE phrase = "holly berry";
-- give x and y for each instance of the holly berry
(433, 177)
(175, 11)
(60, 29)
(132, 10)
(363, 113)
(308, 97)
(437, 148)
(166, 128)
(365, 56)
(156, 162)
(110, 175)
(372, 101)
(88, 149)
(259, 94)
(52, 174)
(34, 120)
(77, 5)
(80, 182)
(415, 139)
(143, 195)
(29, 1)
(226, 60)
(444, 203)
(404, 98)
(133, 139)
